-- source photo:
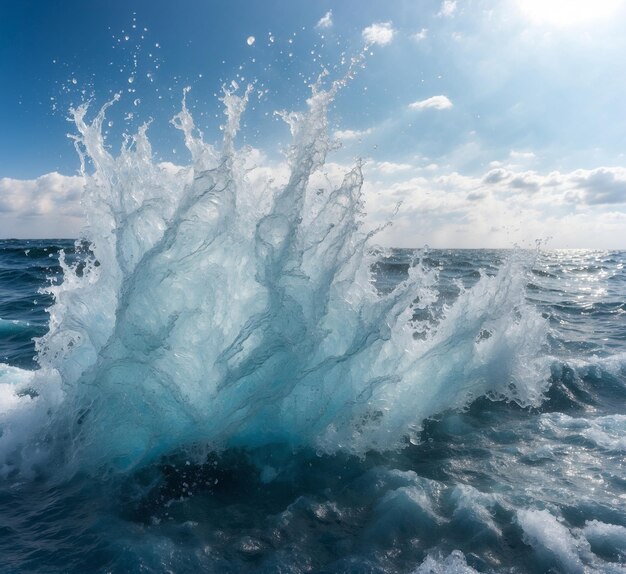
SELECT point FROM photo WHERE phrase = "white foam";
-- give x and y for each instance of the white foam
(454, 563)
(606, 537)
(551, 540)
(606, 432)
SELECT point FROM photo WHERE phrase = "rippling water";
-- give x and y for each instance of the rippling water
(493, 487)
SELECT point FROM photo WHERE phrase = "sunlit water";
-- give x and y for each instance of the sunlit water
(231, 377)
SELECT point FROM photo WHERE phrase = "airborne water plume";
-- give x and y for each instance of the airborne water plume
(214, 309)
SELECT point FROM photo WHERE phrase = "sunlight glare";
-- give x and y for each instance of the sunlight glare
(563, 13)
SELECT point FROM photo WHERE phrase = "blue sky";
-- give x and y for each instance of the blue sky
(494, 122)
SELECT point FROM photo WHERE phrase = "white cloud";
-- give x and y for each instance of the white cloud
(448, 8)
(529, 182)
(436, 103)
(48, 206)
(496, 176)
(601, 186)
(352, 134)
(380, 33)
(326, 21)
(421, 35)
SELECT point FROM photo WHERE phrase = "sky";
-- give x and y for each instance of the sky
(491, 123)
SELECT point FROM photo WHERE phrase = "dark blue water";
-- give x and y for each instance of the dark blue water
(495, 487)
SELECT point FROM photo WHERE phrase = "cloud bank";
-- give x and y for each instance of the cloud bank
(48, 206)
(505, 205)
(500, 208)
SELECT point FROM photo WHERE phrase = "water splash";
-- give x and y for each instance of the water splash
(214, 311)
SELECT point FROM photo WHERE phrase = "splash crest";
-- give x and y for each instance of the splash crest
(214, 308)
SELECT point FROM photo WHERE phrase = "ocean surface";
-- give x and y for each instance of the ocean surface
(225, 374)
(493, 487)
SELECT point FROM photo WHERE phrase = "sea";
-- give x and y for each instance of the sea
(225, 374)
